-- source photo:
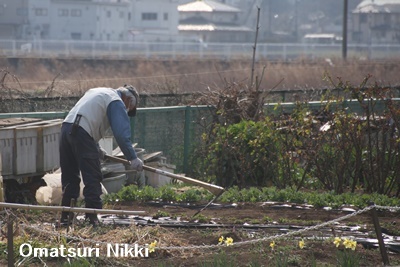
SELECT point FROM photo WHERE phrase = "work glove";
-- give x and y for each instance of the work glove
(137, 164)
(102, 153)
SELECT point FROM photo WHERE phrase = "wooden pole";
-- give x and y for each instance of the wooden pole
(69, 209)
(378, 231)
(10, 241)
(344, 33)
(215, 189)
(254, 49)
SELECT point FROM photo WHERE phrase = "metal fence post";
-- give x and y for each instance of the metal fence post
(186, 142)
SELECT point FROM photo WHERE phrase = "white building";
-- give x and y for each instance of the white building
(211, 21)
(99, 20)
(154, 20)
(376, 21)
(89, 20)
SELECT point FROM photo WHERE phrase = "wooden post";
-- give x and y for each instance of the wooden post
(378, 231)
(344, 33)
(10, 242)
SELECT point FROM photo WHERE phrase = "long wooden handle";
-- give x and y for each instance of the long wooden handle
(214, 189)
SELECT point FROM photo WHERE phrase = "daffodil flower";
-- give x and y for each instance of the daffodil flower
(350, 244)
(347, 243)
(221, 240)
(301, 244)
(229, 241)
(353, 245)
(272, 245)
(337, 241)
(152, 246)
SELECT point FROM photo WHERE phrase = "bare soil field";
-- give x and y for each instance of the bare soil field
(174, 226)
(66, 77)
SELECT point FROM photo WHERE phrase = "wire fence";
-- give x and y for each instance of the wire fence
(177, 130)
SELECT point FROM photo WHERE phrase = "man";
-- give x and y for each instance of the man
(86, 123)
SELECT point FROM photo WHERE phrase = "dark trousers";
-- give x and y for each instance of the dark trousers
(79, 155)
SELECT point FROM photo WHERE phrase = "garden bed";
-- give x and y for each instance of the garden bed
(194, 240)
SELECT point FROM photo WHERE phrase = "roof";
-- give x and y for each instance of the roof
(378, 6)
(207, 6)
(320, 35)
(213, 27)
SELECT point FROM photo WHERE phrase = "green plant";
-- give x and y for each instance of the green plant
(161, 214)
(167, 193)
(347, 258)
(220, 260)
(201, 218)
(281, 259)
(148, 193)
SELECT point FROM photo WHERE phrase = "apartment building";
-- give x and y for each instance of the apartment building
(154, 20)
(99, 20)
(376, 22)
(13, 15)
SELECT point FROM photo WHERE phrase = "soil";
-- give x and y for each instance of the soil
(174, 225)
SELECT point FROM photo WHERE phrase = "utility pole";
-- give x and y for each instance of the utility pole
(344, 37)
(296, 20)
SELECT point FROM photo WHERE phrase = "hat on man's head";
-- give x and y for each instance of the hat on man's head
(135, 94)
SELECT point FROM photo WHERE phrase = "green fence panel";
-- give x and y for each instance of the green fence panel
(177, 130)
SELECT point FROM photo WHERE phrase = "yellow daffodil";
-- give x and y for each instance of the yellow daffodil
(347, 243)
(353, 245)
(337, 241)
(229, 241)
(272, 245)
(301, 244)
(152, 246)
(221, 239)
(350, 244)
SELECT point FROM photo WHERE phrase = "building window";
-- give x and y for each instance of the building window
(129, 16)
(121, 14)
(22, 11)
(76, 36)
(62, 12)
(41, 12)
(149, 16)
(76, 13)
(363, 18)
(165, 16)
(108, 14)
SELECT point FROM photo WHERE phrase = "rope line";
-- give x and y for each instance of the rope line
(266, 238)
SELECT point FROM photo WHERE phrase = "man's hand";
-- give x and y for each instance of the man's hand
(137, 164)
(102, 153)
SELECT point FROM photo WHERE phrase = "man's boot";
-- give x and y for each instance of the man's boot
(67, 217)
(92, 219)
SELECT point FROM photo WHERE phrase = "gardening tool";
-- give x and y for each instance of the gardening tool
(209, 203)
(214, 189)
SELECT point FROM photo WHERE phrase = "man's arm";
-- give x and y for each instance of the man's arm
(121, 128)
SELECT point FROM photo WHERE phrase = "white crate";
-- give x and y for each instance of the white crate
(50, 137)
(30, 148)
(7, 150)
(25, 150)
(158, 180)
